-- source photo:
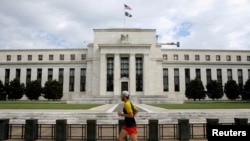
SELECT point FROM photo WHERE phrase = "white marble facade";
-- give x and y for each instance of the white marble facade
(131, 44)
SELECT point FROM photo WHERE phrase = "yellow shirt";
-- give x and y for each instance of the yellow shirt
(128, 107)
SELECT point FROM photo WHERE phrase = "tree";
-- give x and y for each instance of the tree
(33, 90)
(246, 93)
(15, 90)
(53, 90)
(214, 90)
(2, 91)
(195, 90)
(232, 90)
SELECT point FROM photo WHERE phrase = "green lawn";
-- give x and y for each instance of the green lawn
(63, 105)
(43, 105)
(207, 105)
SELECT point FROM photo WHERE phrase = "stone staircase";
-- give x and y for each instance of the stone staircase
(81, 116)
(140, 99)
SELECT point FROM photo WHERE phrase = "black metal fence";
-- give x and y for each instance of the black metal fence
(91, 131)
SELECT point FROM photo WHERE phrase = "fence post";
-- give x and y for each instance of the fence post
(91, 130)
(61, 130)
(209, 123)
(4, 129)
(184, 130)
(153, 130)
(121, 122)
(31, 130)
(241, 121)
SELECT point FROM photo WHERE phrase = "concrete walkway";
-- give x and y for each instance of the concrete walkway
(108, 114)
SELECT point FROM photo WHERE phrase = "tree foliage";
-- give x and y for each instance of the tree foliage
(33, 90)
(53, 90)
(2, 91)
(214, 90)
(232, 90)
(15, 90)
(195, 90)
(246, 93)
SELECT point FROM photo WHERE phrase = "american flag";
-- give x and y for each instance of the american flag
(127, 14)
(127, 7)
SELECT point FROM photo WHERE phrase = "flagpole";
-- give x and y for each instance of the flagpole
(124, 17)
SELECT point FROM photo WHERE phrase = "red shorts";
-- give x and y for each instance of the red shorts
(130, 130)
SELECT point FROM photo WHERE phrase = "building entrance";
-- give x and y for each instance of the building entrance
(124, 86)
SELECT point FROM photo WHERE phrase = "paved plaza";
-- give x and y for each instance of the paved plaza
(108, 114)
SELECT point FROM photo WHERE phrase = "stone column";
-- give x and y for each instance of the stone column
(33, 74)
(146, 78)
(23, 75)
(12, 73)
(117, 75)
(103, 74)
(77, 80)
(132, 79)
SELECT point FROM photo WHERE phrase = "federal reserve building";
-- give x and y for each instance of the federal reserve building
(124, 59)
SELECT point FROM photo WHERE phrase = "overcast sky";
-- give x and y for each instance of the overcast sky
(196, 24)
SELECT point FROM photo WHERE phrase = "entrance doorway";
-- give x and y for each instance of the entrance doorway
(124, 86)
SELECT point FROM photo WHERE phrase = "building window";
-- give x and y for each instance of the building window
(29, 57)
(219, 76)
(51, 57)
(8, 57)
(175, 56)
(139, 74)
(187, 76)
(186, 57)
(229, 74)
(209, 75)
(83, 56)
(61, 56)
(228, 57)
(50, 74)
(197, 57)
(207, 57)
(125, 67)
(165, 57)
(238, 58)
(248, 58)
(39, 75)
(248, 73)
(40, 57)
(72, 57)
(7, 77)
(83, 79)
(217, 57)
(198, 73)
(28, 76)
(240, 79)
(71, 79)
(176, 80)
(110, 74)
(61, 76)
(165, 80)
(18, 74)
(19, 57)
